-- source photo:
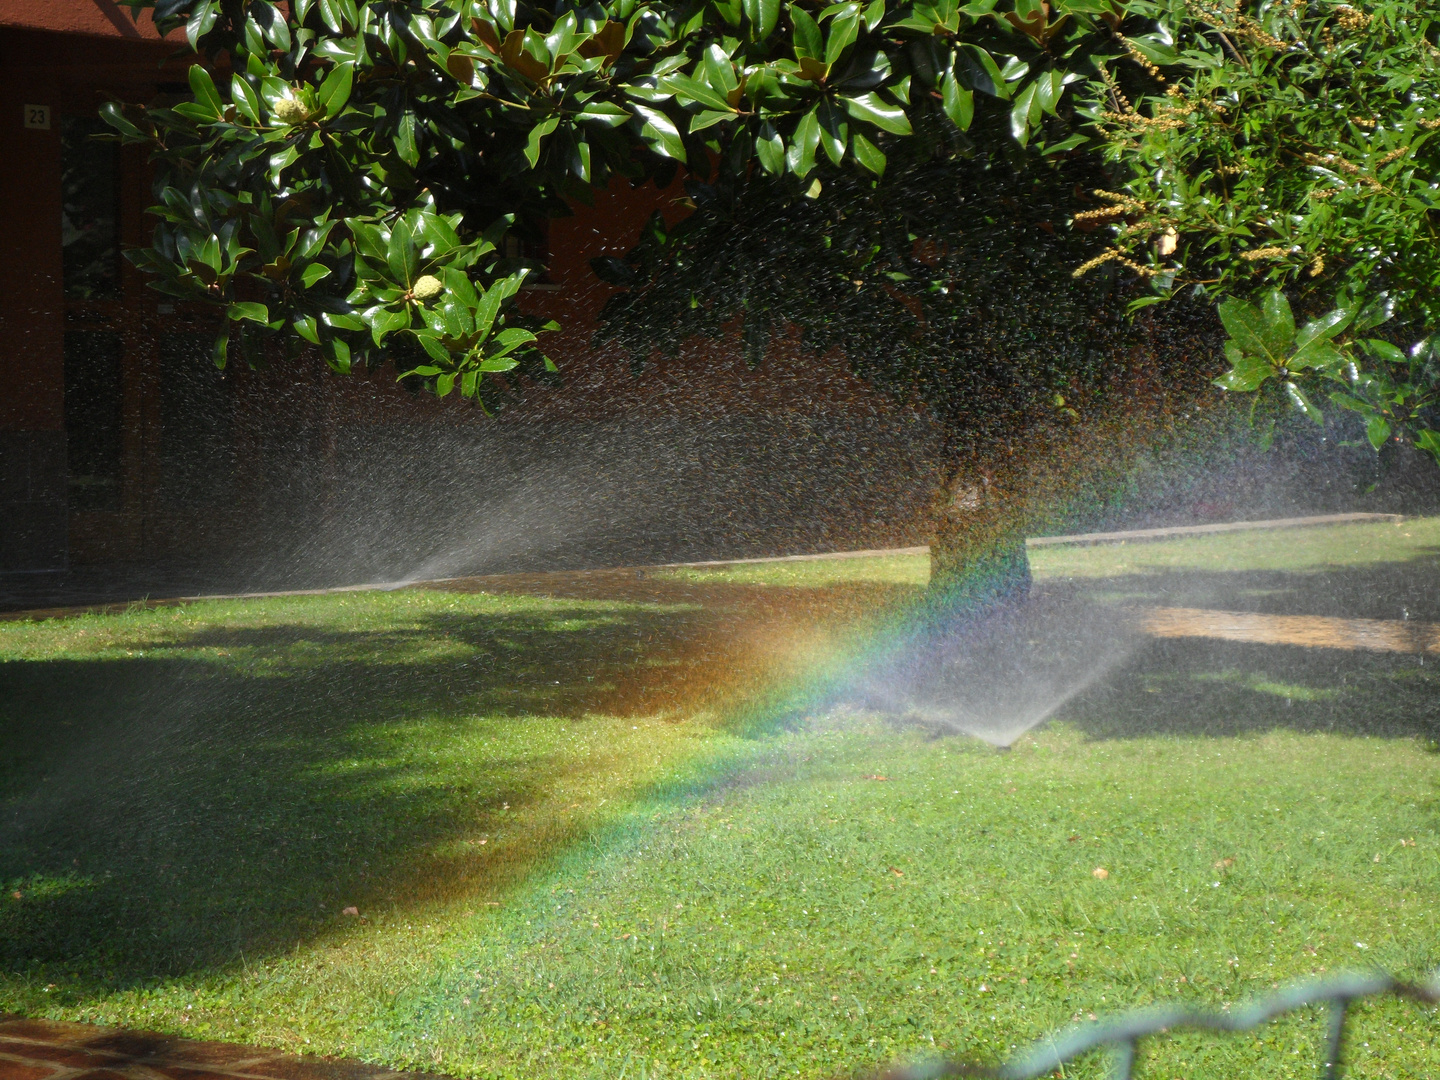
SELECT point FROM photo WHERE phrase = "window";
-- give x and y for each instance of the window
(94, 440)
(90, 215)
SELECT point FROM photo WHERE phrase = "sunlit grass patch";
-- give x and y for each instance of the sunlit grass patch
(877, 895)
(1260, 683)
(1297, 550)
(837, 897)
(1307, 549)
(811, 573)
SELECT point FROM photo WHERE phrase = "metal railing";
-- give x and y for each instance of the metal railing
(1123, 1033)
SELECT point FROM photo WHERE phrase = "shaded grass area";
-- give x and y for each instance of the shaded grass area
(579, 848)
(188, 788)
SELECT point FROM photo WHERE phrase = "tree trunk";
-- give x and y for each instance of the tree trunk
(978, 554)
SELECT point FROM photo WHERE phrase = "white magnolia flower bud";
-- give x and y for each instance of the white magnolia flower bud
(291, 111)
(427, 287)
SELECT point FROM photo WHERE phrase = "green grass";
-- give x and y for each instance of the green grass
(577, 849)
(812, 573)
(1291, 550)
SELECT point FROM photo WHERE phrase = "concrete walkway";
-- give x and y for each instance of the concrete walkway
(50, 1050)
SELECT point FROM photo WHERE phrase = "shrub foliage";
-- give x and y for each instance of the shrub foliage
(346, 172)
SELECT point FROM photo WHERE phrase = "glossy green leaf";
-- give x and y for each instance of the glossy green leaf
(808, 41)
(307, 328)
(868, 154)
(834, 131)
(692, 91)
(510, 339)
(535, 142)
(958, 101)
(1246, 327)
(1429, 441)
(1385, 351)
(659, 132)
(433, 347)
(842, 34)
(1277, 323)
(604, 113)
(401, 257)
(719, 71)
(1070, 142)
(800, 157)
(1318, 354)
(203, 87)
(202, 21)
(874, 110)
(386, 321)
(709, 118)
(114, 115)
(1247, 375)
(763, 15)
(405, 144)
(1303, 403)
(1327, 326)
(1020, 114)
(247, 102)
(334, 92)
(981, 71)
(1377, 430)
(343, 321)
(770, 149)
(249, 311)
(332, 15)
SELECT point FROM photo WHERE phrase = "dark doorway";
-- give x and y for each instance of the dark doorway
(90, 215)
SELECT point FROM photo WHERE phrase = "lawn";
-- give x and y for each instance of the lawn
(582, 842)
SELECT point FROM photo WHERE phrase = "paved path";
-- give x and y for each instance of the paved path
(1310, 631)
(50, 1050)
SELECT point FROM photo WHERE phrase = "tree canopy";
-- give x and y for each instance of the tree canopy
(344, 170)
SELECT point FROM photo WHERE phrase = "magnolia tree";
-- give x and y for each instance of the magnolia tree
(344, 173)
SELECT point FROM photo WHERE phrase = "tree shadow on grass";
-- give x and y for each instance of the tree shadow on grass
(223, 796)
(1380, 590)
(1222, 688)
(1200, 686)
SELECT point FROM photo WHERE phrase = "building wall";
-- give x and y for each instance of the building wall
(32, 422)
(120, 442)
(49, 80)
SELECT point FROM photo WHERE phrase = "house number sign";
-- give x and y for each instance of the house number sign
(37, 116)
